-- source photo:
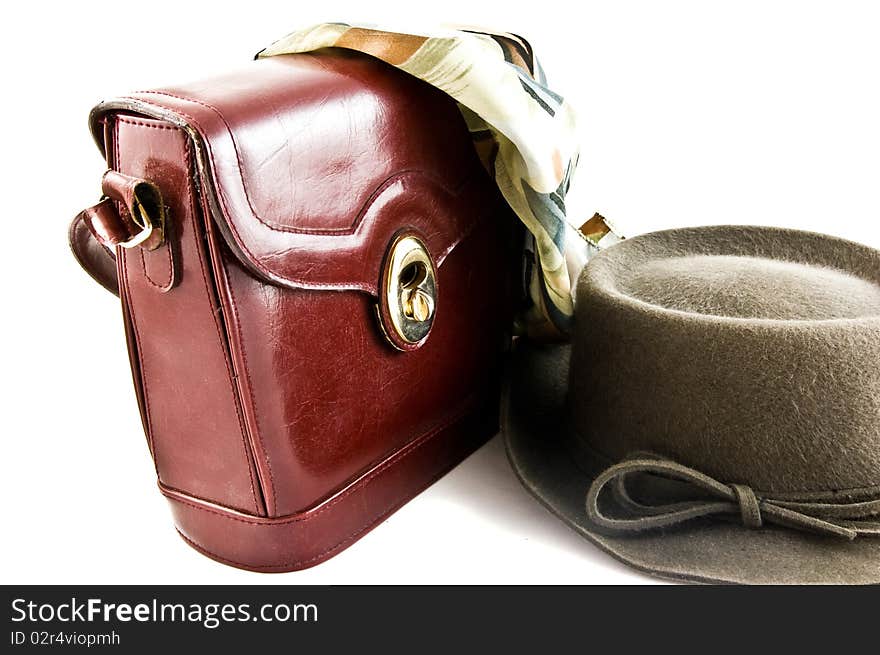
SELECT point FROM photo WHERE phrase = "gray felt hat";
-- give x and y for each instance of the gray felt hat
(716, 416)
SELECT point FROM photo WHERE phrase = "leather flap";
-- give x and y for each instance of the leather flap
(313, 162)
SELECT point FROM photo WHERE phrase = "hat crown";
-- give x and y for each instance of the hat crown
(749, 353)
(739, 286)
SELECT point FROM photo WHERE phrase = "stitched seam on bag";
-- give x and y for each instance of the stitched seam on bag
(131, 313)
(353, 536)
(123, 119)
(221, 342)
(409, 449)
(170, 261)
(351, 229)
(160, 287)
(232, 305)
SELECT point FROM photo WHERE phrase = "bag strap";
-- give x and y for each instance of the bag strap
(130, 214)
(96, 260)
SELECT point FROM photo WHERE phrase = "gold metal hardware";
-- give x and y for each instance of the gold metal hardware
(598, 232)
(410, 289)
(417, 305)
(147, 199)
(142, 219)
(595, 228)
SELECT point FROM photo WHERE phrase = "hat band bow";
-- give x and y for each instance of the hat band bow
(716, 499)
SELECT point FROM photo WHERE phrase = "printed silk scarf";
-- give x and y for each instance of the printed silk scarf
(524, 132)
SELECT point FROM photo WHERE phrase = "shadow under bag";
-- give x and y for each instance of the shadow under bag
(318, 279)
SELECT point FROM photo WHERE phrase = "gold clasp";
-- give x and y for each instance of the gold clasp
(409, 292)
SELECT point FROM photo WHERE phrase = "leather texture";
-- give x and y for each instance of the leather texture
(282, 423)
(98, 261)
(107, 224)
(283, 137)
(188, 396)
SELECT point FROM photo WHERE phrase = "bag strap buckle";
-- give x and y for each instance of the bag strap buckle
(130, 214)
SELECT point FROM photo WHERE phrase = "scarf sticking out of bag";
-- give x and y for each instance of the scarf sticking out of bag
(524, 132)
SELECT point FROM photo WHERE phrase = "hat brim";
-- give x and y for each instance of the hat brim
(534, 423)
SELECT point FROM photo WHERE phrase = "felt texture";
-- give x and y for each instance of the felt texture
(745, 352)
(749, 354)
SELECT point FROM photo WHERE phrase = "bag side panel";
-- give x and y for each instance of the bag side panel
(178, 346)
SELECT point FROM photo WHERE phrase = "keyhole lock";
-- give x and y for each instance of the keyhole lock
(410, 292)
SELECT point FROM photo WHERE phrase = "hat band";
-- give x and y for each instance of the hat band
(712, 498)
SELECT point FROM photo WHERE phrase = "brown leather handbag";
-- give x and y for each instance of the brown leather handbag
(317, 278)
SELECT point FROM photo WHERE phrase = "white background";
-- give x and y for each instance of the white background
(740, 112)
